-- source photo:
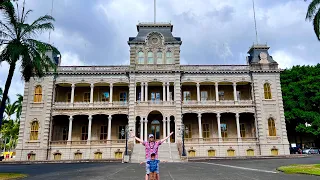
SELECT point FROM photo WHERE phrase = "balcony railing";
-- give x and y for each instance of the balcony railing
(217, 140)
(84, 142)
(99, 104)
(221, 102)
(155, 102)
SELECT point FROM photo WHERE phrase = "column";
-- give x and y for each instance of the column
(89, 129)
(109, 127)
(168, 92)
(198, 92)
(146, 92)
(235, 91)
(238, 126)
(164, 91)
(252, 97)
(219, 126)
(91, 93)
(164, 127)
(70, 129)
(217, 91)
(145, 129)
(168, 128)
(200, 125)
(142, 90)
(141, 128)
(111, 92)
(72, 93)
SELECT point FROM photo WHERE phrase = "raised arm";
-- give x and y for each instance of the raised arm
(136, 138)
(164, 139)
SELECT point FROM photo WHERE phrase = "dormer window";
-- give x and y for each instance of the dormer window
(159, 58)
(150, 58)
(169, 59)
(140, 57)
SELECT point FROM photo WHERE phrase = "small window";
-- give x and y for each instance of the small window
(243, 130)
(186, 96)
(169, 58)
(104, 132)
(272, 127)
(204, 95)
(119, 132)
(37, 94)
(205, 131)
(140, 57)
(224, 130)
(86, 97)
(98, 155)
(211, 153)
(250, 152)
(57, 156)
(159, 58)
(267, 91)
(231, 152)
(84, 133)
(274, 152)
(77, 155)
(150, 58)
(123, 97)
(192, 153)
(32, 157)
(118, 155)
(34, 131)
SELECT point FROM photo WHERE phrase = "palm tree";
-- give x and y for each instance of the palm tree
(10, 109)
(1, 92)
(313, 14)
(19, 106)
(17, 37)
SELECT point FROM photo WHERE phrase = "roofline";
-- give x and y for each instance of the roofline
(159, 24)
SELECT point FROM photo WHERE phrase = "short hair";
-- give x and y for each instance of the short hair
(153, 154)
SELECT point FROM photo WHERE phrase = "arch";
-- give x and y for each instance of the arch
(78, 155)
(98, 155)
(272, 127)
(37, 94)
(274, 152)
(250, 152)
(154, 33)
(191, 153)
(57, 156)
(231, 152)
(267, 91)
(34, 130)
(155, 112)
(211, 152)
(141, 57)
(118, 154)
(155, 122)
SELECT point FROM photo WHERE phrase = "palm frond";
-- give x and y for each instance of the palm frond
(10, 31)
(312, 8)
(31, 31)
(10, 14)
(316, 23)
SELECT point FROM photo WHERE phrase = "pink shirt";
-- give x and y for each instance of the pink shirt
(151, 147)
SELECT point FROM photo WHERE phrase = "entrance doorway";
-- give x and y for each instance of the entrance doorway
(155, 129)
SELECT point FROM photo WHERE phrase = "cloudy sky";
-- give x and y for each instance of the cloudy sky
(95, 32)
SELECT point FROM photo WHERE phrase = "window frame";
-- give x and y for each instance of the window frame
(77, 155)
(141, 57)
(119, 132)
(150, 57)
(34, 131)
(159, 58)
(37, 94)
(243, 130)
(98, 155)
(103, 132)
(224, 133)
(267, 91)
(169, 59)
(204, 96)
(272, 127)
(206, 133)
(84, 135)
(86, 97)
(185, 95)
(211, 153)
(59, 155)
(189, 135)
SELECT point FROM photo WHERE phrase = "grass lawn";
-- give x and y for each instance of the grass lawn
(6, 176)
(311, 169)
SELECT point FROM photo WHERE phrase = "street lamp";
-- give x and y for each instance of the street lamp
(184, 129)
(124, 132)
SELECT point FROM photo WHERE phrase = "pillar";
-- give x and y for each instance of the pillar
(252, 95)
(89, 129)
(72, 93)
(146, 91)
(141, 128)
(145, 129)
(238, 125)
(91, 93)
(142, 92)
(168, 128)
(164, 92)
(198, 92)
(164, 127)
(70, 128)
(109, 127)
(200, 125)
(111, 92)
(168, 92)
(219, 126)
(217, 91)
(235, 91)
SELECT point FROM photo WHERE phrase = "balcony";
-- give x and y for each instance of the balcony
(92, 142)
(217, 103)
(155, 103)
(98, 104)
(217, 140)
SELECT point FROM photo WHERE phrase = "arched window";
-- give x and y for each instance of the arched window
(192, 153)
(140, 57)
(272, 127)
(118, 155)
(78, 155)
(150, 58)
(169, 59)
(211, 153)
(57, 156)
(34, 130)
(98, 155)
(159, 58)
(231, 152)
(274, 152)
(267, 91)
(250, 152)
(37, 94)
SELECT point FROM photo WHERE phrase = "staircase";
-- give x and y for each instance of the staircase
(167, 152)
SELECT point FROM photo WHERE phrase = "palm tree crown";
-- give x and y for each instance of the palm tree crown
(313, 14)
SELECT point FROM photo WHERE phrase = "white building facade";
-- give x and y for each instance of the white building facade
(228, 110)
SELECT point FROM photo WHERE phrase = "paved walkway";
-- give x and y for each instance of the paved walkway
(263, 169)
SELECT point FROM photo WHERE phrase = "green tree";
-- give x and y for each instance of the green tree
(10, 109)
(1, 93)
(17, 37)
(19, 106)
(301, 98)
(313, 15)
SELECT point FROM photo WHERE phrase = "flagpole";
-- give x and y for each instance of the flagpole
(155, 11)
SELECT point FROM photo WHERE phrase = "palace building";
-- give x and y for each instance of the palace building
(223, 110)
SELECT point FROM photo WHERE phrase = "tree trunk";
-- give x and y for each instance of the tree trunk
(6, 90)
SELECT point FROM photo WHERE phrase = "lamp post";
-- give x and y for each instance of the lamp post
(183, 131)
(124, 132)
